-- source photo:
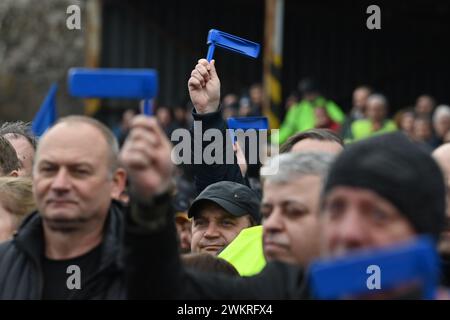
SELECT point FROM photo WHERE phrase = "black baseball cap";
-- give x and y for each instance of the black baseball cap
(235, 198)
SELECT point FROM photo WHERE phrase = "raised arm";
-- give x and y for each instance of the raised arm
(204, 90)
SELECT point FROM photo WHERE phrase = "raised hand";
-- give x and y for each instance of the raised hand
(204, 87)
(146, 157)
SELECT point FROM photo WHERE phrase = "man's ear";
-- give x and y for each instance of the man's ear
(14, 174)
(119, 182)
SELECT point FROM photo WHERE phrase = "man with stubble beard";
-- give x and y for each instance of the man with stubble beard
(70, 247)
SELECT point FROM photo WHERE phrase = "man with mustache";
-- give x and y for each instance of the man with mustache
(290, 207)
(69, 248)
(220, 213)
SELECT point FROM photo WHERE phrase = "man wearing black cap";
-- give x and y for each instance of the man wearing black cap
(219, 213)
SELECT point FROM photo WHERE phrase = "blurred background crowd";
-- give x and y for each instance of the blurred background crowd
(324, 69)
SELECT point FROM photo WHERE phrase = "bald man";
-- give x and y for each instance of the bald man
(69, 247)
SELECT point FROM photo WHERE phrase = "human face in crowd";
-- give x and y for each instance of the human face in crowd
(360, 96)
(256, 94)
(291, 101)
(230, 99)
(72, 181)
(442, 156)
(228, 112)
(407, 123)
(314, 145)
(442, 125)
(291, 220)
(184, 230)
(179, 114)
(25, 153)
(376, 110)
(163, 116)
(322, 118)
(356, 218)
(424, 105)
(127, 117)
(7, 224)
(244, 107)
(422, 129)
(213, 228)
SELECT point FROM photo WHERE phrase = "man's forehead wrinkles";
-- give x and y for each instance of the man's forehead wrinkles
(66, 160)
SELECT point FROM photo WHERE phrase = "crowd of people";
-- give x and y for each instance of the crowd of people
(113, 204)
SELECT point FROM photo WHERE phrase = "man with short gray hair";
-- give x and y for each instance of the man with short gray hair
(290, 210)
(290, 206)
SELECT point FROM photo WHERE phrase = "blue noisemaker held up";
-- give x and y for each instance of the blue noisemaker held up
(414, 263)
(257, 123)
(114, 83)
(230, 42)
(245, 123)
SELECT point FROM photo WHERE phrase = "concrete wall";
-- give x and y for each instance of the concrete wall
(36, 49)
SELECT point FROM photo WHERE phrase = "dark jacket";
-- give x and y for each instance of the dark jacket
(445, 273)
(206, 174)
(21, 275)
(153, 235)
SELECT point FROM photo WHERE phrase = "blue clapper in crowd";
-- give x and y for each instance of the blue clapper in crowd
(245, 123)
(47, 114)
(139, 84)
(228, 41)
(415, 262)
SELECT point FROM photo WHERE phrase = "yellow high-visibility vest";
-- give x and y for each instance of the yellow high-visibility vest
(245, 252)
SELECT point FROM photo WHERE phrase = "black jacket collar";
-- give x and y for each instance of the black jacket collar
(30, 236)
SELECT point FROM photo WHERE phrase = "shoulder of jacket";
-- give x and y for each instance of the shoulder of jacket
(9, 252)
